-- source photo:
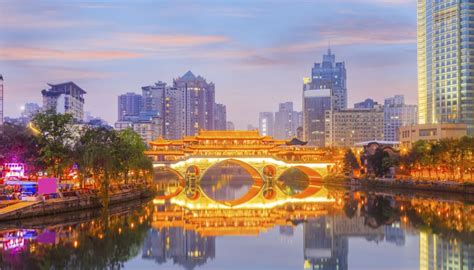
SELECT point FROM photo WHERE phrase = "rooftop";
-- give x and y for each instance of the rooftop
(65, 83)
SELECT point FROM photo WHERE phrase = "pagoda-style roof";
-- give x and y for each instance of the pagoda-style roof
(296, 141)
(162, 142)
(227, 134)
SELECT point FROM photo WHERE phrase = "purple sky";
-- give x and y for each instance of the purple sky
(256, 52)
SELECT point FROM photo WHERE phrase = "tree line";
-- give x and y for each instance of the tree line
(52, 144)
(448, 158)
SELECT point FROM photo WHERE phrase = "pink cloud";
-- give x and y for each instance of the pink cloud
(25, 54)
(172, 40)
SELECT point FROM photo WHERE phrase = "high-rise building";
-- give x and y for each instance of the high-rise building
(446, 62)
(315, 104)
(265, 123)
(438, 253)
(152, 97)
(199, 102)
(174, 113)
(1, 100)
(345, 128)
(65, 98)
(286, 121)
(220, 117)
(331, 75)
(129, 104)
(367, 104)
(396, 115)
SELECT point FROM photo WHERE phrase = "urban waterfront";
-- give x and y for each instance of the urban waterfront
(343, 230)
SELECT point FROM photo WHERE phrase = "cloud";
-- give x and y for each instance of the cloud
(31, 54)
(175, 40)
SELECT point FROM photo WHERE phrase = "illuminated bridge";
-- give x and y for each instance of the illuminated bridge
(263, 157)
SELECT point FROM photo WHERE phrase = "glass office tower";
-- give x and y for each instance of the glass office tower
(446, 62)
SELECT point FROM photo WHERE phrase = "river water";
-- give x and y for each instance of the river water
(333, 228)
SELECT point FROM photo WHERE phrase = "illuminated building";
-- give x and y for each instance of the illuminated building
(316, 102)
(345, 128)
(199, 102)
(437, 253)
(445, 62)
(174, 113)
(331, 75)
(265, 123)
(229, 144)
(396, 115)
(1, 100)
(430, 132)
(65, 98)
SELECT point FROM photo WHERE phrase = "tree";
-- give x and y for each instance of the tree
(350, 161)
(17, 144)
(55, 140)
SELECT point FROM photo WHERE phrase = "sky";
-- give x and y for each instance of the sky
(256, 52)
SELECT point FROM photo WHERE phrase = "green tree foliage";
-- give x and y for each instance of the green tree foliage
(55, 140)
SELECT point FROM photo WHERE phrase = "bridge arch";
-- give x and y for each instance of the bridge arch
(179, 185)
(314, 181)
(253, 191)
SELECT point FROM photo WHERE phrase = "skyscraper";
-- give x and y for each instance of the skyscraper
(1, 100)
(446, 62)
(174, 113)
(286, 121)
(265, 123)
(396, 115)
(199, 102)
(316, 102)
(65, 98)
(152, 97)
(220, 117)
(129, 104)
(331, 75)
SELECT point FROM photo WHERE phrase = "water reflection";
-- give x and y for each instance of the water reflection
(349, 230)
(226, 182)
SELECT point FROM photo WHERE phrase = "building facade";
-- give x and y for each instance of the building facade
(152, 97)
(430, 132)
(330, 74)
(230, 125)
(265, 123)
(65, 98)
(397, 114)
(174, 113)
(345, 128)
(220, 117)
(367, 104)
(446, 62)
(315, 104)
(286, 121)
(129, 104)
(199, 102)
(1, 100)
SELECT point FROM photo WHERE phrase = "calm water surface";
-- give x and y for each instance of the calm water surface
(336, 229)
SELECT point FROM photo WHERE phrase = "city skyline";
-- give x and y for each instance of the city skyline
(250, 56)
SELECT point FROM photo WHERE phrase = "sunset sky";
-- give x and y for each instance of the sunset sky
(256, 52)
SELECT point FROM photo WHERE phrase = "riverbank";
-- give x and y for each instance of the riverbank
(73, 202)
(463, 189)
